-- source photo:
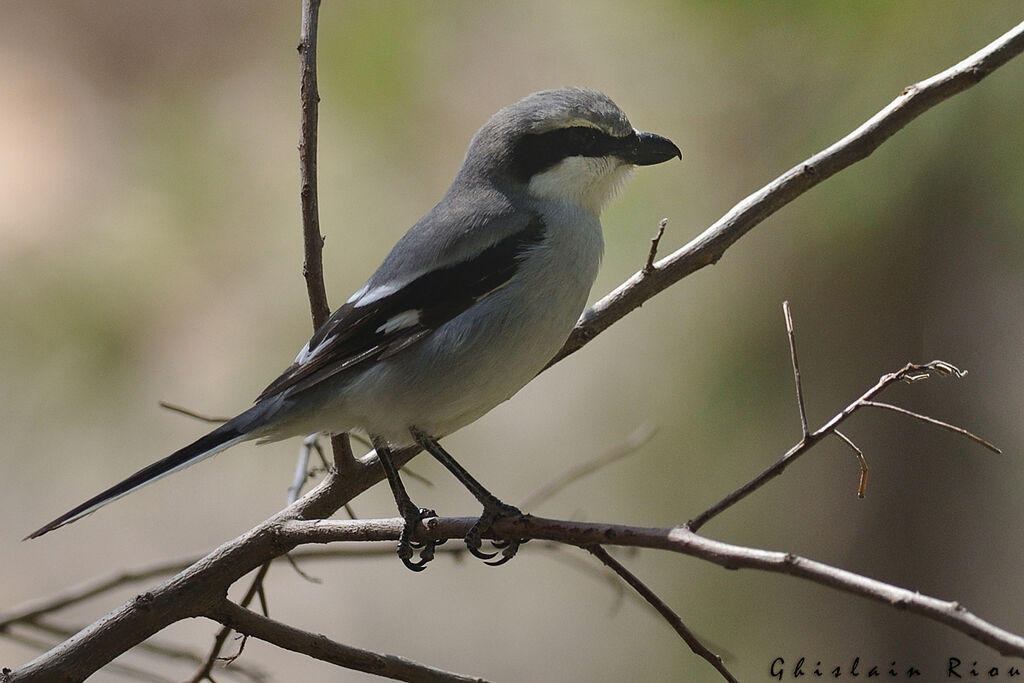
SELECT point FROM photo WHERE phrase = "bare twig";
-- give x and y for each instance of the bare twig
(910, 372)
(302, 472)
(938, 423)
(28, 613)
(709, 246)
(791, 336)
(862, 485)
(320, 647)
(653, 253)
(663, 609)
(631, 444)
(255, 589)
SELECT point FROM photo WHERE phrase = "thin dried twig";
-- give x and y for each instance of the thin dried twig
(255, 589)
(312, 266)
(655, 241)
(862, 485)
(791, 336)
(313, 240)
(631, 444)
(911, 372)
(938, 423)
(674, 620)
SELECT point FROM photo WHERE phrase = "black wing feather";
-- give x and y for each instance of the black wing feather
(356, 334)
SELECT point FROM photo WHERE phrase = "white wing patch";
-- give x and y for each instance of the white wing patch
(368, 296)
(359, 293)
(400, 322)
(303, 354)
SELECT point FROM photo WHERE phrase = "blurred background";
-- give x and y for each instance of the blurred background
(150, 250)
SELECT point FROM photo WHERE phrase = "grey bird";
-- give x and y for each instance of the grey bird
(466, 309)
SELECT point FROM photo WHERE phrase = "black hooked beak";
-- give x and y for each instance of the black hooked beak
(646, 149)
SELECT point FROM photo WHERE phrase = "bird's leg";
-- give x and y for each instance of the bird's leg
(412, 514)
(494, 508)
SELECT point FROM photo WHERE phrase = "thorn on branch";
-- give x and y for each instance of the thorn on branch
(653, 253)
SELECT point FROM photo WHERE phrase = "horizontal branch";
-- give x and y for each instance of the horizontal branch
(674, 539)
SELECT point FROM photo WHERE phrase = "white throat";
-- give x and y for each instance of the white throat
(589, 182)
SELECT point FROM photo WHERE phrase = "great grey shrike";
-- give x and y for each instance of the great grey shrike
(467, 308)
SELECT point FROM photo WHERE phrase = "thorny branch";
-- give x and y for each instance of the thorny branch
(199, 589)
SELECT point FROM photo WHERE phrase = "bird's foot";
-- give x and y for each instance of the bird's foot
(506, 549)
(407, 547)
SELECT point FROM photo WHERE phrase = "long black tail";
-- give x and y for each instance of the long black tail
(225, 436)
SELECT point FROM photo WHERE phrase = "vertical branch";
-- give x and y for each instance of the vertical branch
(313, 241)
(312, 266)
(790, 334)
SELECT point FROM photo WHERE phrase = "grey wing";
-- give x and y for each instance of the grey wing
(391, 315)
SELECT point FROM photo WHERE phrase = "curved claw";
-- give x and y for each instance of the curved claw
(414, 565)
(479, 554)
(507, 549)
(407, 547)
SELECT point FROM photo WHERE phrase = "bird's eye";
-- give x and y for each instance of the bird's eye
(585, 138)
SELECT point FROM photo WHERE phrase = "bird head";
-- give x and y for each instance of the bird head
(570, 144)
